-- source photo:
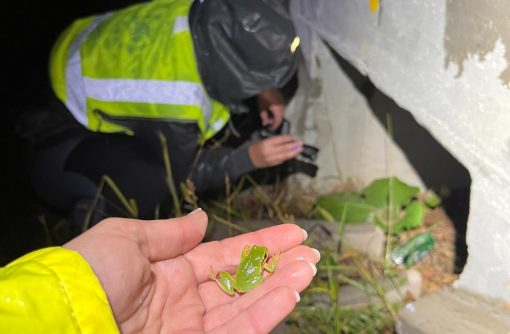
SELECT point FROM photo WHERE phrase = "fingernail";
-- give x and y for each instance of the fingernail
(317, 254)
(305, 234)
(296, 148)
(298, 297)
(195, 211)
(314, 268)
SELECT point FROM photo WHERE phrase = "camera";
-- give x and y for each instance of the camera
(308, 152)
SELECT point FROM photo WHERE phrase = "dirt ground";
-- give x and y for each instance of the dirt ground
(437, 268)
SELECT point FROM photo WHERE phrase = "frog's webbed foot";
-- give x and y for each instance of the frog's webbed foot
(274, 262)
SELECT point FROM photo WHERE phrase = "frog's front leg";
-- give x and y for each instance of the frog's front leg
(225, 281)
(246, 251)
(274, 262)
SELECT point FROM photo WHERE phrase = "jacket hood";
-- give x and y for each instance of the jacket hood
(243, 46)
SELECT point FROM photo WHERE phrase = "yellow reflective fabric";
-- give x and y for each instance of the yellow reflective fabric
(142, 32)
(149, 41)
(139, 42)
(60, 53)
(53, 290)
(144, 42)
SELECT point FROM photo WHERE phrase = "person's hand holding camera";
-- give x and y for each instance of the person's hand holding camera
(274, 150)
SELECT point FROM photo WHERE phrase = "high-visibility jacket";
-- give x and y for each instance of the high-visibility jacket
(53, 290)
(135, 63)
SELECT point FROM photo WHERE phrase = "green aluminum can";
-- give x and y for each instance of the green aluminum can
(413, 250)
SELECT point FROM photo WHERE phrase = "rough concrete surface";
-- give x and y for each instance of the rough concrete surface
(453, 311)
(402, 50)
(365, 238)
(472, 30)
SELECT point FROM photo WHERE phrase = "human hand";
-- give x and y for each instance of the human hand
(156, 275)
(271, 107)
(274, 150)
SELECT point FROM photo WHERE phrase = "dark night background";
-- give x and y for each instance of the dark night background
(28, 31)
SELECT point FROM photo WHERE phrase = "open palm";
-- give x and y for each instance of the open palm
(156, 275)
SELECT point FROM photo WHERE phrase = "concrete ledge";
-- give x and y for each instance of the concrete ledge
(454, 311)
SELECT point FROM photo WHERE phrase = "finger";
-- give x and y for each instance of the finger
(274, 149)
(263, 315)
(165, 239)
(296, 275)
(213, 296)
(224, 255)
(284, 152)
(282, 139)
(280, 156)
(293, 146)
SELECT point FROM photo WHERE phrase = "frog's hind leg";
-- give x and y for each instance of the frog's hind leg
(274, 262)
(225, 281)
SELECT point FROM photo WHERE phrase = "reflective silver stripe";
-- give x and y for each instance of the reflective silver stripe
(181, 24)
(76, 98)
(217, 125)
(127, 90)
(149, 91)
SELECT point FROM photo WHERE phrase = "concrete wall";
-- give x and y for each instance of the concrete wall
(446, 62)
(354, 147)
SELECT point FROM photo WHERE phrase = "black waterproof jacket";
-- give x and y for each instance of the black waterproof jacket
(242, 47)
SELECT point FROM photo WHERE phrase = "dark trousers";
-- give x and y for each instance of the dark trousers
(66, 175)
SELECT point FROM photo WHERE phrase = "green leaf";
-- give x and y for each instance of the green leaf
(378, 193)
(414, 214)
(409, 218)
(383, 220)
(432, 199)
(346, 207)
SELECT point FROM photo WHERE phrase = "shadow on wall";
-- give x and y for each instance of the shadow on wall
(438, 169)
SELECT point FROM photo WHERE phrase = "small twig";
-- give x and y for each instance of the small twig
(130, 204)
(169, 178)
(229, 224)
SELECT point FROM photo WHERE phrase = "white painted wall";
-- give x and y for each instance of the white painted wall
(402, 49)
(330, 113)
(354, 146)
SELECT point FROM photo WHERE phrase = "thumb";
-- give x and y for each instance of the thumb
(165, 239)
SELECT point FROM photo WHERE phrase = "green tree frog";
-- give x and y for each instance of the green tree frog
(249, 273)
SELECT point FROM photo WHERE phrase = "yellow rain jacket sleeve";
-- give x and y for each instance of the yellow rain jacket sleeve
(53, 290)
